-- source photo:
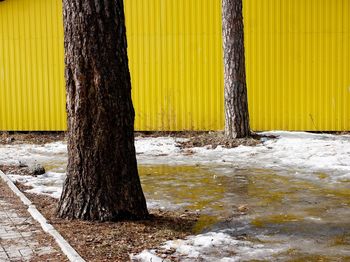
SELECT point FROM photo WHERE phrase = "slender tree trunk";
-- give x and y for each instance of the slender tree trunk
(102, 179)
(236, 104)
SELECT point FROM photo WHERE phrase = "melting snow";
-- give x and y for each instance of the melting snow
(291, 150)
(295, 151)
(212, 246)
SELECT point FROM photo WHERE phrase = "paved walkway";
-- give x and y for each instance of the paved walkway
(21, 237)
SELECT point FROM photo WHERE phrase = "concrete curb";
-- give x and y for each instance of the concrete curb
(66, 248)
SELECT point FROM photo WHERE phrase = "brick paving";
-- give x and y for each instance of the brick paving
(21, 237)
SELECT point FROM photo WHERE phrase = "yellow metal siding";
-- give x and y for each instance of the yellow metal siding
(32, 94)
(175, 63)
(297, 53)
(298, 64)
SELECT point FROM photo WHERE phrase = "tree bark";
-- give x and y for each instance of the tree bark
(102, 179)
(236, 104)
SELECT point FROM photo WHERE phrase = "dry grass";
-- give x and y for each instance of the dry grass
(31, 137)
(215, 139)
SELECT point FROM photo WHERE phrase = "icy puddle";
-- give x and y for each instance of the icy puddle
(254, 214)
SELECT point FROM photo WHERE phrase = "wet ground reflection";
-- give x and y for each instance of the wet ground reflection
(308, 216)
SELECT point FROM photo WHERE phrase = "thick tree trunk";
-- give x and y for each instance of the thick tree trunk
(102, 179)
(236, 104)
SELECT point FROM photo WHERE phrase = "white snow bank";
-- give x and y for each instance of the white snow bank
(295, 151)
(314, 151)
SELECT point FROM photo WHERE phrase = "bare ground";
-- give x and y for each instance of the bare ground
(31, 137)
(114, 241)
(194, 138)
(217, 138)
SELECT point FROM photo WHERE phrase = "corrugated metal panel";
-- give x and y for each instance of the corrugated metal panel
(175, 61)
(298, 64)
(32, 94)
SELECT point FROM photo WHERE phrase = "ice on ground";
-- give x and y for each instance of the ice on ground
(212, 246)
(223, 246)
(296, 151)
(236, 174)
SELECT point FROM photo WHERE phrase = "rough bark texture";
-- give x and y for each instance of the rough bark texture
(102, 178)
(236, 104)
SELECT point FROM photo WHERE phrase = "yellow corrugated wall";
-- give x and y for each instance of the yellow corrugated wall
(298, 64)
(175, 63)
(32, 94)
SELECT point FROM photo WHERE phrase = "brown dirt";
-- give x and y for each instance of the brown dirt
(43, 137)
(343, 133)
(195, 138)
(114, 241)
(183, 134)
(23, 171)
(215, 139)
(339, 133)
(31, 137)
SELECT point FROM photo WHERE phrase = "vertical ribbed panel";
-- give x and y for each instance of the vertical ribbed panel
(175, 61)
(32, 94)
(298, 64)
(297, 56)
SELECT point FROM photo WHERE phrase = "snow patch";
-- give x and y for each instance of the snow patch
(146, 256)
(213, 246)
(50, 183)
(296, 151)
